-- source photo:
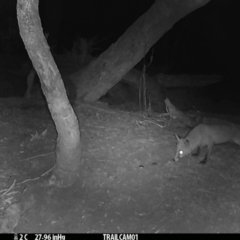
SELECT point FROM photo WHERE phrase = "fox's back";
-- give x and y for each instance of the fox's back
(205, 134)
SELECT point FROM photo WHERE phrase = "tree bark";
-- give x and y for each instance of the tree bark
(68, 147)
(110, 67)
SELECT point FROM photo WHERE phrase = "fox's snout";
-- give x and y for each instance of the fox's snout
(179, 152)
(177, 157)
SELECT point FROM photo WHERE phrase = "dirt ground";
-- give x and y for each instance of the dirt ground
(128, 182)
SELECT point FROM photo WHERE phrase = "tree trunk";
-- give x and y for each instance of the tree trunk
(110, 67)
(68, 148)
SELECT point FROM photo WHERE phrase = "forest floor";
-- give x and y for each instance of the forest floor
(129, 181)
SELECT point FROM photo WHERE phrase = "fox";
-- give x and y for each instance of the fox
(206, 135)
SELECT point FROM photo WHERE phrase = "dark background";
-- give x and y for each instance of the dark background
(206, 41)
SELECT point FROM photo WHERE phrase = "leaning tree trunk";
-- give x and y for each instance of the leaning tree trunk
(111, 66)
(68, 148)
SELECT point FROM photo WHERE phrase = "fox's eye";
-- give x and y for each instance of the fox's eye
(181, 152)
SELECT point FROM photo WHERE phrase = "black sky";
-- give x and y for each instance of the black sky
(209, 43)
(207, 40)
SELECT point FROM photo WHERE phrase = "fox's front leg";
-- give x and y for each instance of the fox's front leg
(196, 152)
(207, 156)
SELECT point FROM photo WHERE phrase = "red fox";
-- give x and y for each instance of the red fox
(206, 135)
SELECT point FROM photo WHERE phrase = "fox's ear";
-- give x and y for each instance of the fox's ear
(177, 137)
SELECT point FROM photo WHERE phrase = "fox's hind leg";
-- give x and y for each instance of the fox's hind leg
(196, 152)
(209, 149)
